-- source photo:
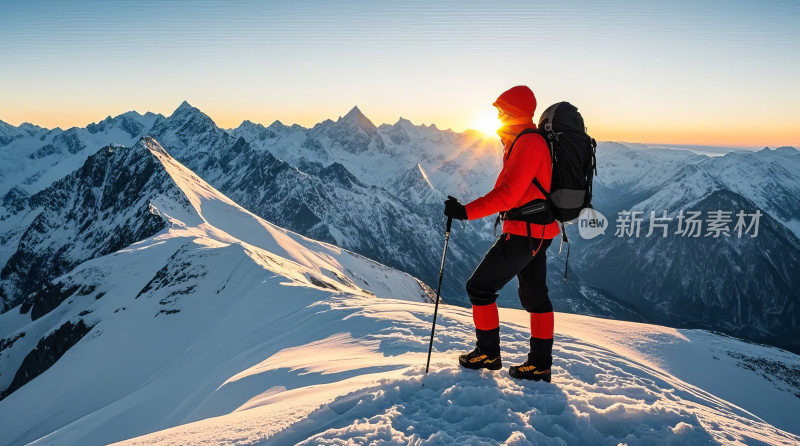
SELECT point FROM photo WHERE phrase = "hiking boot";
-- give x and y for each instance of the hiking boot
(528, 370)
(477, 360)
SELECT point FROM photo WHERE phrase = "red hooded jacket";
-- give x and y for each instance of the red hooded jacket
(530, 159)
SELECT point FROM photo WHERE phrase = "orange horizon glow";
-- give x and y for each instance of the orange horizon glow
(483, 120)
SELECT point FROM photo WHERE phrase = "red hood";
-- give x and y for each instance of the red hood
(518, 102)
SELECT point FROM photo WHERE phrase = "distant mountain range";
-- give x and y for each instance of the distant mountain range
(378, 191)
(748, 287)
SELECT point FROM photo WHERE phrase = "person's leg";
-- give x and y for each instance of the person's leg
(502, 262)
(536, 301)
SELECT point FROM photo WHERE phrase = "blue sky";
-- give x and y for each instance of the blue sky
(669, 72)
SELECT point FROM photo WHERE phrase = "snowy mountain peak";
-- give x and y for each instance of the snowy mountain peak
(130, 122)
(355, 118)
(255, 132)
(404, 122)
(184, 106)
(417, 188)
(336, 173)
(186, 112)
(27, 126)
(187, 130)
(353, 133)
(355, 111)
(131, 114)
(101, 207)
(246, 126)
(785, 150)
(8, 133)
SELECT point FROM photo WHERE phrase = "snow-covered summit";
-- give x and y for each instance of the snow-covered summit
(784, 150)
(189, 133)
(8, 133)
(132, 123)
(30, 128)
(356, 119)
(100, 208)
(186, 109)
(185, 120)
(257, 132)
(403, 122)
(352, 133)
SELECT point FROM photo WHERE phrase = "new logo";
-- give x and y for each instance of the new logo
(591, 223)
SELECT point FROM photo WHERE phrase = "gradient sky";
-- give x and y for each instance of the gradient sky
(690, 72)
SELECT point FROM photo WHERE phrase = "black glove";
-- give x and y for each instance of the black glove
(454, 209)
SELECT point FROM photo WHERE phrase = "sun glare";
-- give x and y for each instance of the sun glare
(486, 122)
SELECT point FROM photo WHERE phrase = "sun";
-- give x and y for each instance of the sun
(486, 122)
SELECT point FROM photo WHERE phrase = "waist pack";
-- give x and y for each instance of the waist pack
(536, 212)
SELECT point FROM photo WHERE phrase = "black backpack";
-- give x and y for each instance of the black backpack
(573, 154)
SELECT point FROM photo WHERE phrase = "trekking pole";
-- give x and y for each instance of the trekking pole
(438, 290)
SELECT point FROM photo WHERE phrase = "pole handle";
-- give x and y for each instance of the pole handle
(449, 223)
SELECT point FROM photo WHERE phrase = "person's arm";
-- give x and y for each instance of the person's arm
(526, 158)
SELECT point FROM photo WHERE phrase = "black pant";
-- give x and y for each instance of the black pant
(512, 256)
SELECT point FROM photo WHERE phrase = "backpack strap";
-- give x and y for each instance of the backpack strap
(535, 181)
(541, 188)
(544, 192)
(550, 202)
(524, 132)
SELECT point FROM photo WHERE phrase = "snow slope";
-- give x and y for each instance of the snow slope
(355, 376)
